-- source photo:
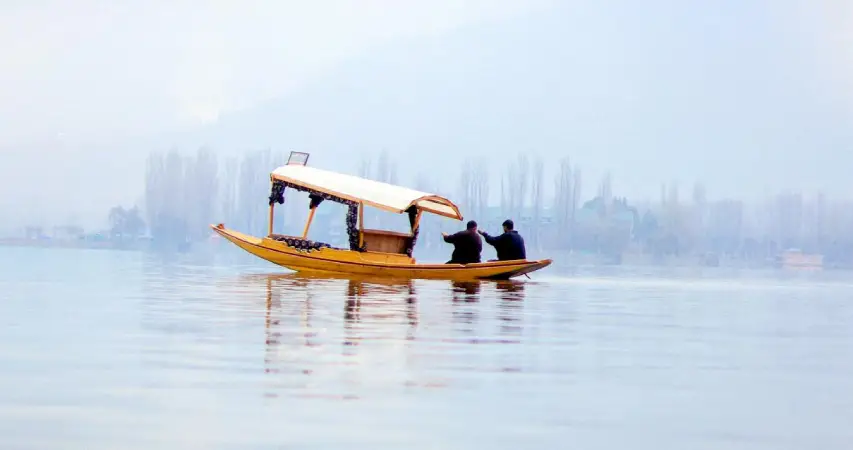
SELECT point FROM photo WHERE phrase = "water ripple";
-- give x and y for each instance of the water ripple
(127, 351)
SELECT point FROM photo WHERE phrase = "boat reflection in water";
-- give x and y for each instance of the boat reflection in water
(511, 309)
(313, 349)
(466, 312)
(466, 291)
(383, 300)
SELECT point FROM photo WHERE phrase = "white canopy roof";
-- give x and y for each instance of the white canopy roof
(374, 193)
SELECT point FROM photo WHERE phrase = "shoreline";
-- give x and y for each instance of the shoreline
(566, 259)
(40, 243)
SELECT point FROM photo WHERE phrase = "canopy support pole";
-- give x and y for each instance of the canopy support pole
(272, 211)
(276, 196)
(417, 221)
(361, 225)
(316, 199)
(308, 223)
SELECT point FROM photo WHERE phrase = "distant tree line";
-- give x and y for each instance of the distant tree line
(125, 224)
(185, 193)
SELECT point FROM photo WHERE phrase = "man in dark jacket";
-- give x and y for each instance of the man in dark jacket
(467, 245)
(509, 245)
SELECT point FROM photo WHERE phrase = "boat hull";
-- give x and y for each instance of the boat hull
(388, 265)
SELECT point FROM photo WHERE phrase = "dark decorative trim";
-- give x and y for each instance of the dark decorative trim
(277, 193)
(303, 245)
(315, 200)
(410, 247)
(413, 216)
(323, 195)
(352, 228)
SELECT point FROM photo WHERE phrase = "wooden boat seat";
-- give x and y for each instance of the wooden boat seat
(386, 241)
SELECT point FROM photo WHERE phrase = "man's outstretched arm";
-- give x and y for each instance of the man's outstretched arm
(491, 240)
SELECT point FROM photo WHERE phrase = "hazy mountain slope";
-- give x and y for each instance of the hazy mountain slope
(653, 93)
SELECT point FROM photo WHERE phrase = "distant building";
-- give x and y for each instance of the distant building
(796, 259)
(34, 232)
(67, 232)
(725, 225)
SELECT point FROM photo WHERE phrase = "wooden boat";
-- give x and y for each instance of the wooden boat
(371, 252)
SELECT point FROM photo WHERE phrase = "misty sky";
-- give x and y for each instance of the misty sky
(92, 68)
(654, 91)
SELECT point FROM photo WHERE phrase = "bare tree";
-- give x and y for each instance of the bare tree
(383, 167)
(523, 185)
(392, 172)
(481, 191)
(466, 186)
(821, 220)
(563, 210)
(255, 187)
(154, 173)
(504, 203)
(605, 190)
(201, 186)
(175, 221)
(536, 189)
(699, 215)
(246, 181)
(575, 200)
(365, 167)
(507, 191)
(514, 187)
(228, 189)
(165, 196)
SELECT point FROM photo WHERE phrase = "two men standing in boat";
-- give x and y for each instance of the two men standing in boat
(467, 245)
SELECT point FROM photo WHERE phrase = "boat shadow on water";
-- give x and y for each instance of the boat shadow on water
(379, 318)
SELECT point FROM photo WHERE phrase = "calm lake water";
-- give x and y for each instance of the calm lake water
(105, 349)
